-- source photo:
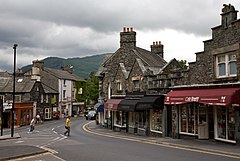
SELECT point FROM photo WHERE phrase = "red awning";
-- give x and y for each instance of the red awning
(112, 104)
(213, 96)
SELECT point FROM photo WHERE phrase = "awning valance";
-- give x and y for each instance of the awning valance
(112, 104)
(211, 96)
(148, 102)
(128, 105)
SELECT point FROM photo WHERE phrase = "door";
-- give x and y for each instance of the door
(48, 113)
(203, 131)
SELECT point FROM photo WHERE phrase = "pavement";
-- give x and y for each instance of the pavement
(17, 151)
(207, 146)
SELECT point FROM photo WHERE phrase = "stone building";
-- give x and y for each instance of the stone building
(59, 87)
(206, 106)
(123, 84)
(28, 99)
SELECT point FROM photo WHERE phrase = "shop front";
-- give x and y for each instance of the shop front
(128, 106)
(23, 114)
(110, 108)
(150, 111)
(206, 112)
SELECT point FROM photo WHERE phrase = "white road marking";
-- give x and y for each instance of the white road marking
(20, 141)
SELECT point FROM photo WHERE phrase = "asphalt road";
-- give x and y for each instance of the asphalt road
(84, 146)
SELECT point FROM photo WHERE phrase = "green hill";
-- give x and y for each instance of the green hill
(82, 67)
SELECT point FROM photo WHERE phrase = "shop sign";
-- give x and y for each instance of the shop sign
(7, 106)
(191, 99)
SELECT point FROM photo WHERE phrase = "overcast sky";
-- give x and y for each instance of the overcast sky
(79, 28)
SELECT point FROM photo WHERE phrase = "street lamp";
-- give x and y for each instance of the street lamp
(14, 76)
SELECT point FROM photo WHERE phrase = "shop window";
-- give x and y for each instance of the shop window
(120, 118)
(188, 118)
(225, 123)
(132, 119)
(142, 119)
(156, 121)
(226, 65)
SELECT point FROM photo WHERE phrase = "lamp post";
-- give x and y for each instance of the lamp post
(14, 76)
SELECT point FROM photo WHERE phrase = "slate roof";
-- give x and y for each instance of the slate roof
(48, 89)
(5, 74)
(61, 74)
(152, 59)
(22, 84)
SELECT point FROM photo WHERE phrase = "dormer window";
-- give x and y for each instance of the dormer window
(136, 84)
(119, 86)
(226, 65)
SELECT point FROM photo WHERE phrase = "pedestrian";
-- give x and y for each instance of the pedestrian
(67, 126)
(38, 118)
(32, 124)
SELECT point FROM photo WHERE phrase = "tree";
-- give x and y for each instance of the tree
(92, 85)
(183, 64)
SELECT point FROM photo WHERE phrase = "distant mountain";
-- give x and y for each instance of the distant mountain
(82, 67)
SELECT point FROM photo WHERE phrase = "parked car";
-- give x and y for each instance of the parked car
(91, 115)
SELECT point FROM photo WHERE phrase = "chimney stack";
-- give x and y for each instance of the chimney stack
(37, 67)
(157, 48)
(128, 38)
(229, 14)
(68, 68)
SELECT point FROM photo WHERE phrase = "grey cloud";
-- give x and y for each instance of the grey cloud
(82, 25)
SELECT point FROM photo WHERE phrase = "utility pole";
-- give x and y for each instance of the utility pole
(14, 76)
(1, 116)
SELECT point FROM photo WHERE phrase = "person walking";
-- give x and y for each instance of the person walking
(67, 126)
(32, 124)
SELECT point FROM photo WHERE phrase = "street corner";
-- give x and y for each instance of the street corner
(19, 151)
(6, 137)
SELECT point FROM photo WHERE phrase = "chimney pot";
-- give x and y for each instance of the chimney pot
(156, 43)
(131, 29)
(128, 29)
(124, 29)
(153, 42)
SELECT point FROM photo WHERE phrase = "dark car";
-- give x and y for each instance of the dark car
(91, 115)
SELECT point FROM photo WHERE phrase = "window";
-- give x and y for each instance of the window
(156, 123)
(132, 119)
(120, 118)
(226, 65)
(225, 123)
(136, 84)
(188, 119)
(2, 97)
(42, 98)
(64, 93)
(64, 83)
(119, 86)
(142, 119)
(17, 98)
(47, 98)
